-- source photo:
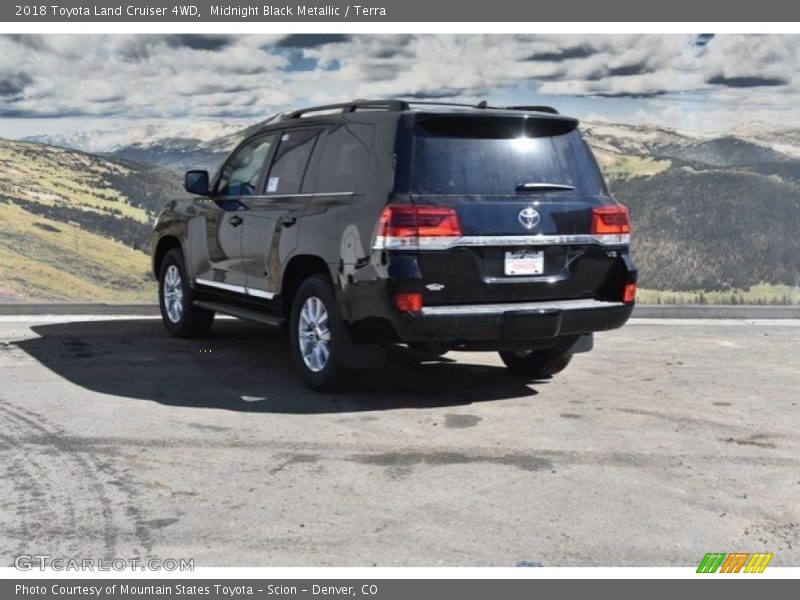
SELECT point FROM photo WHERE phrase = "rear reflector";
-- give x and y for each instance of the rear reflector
(611, 224)
(629, 293)
(411, 225)
(408, 302)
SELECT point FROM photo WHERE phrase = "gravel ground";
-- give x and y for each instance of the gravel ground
(671, 439)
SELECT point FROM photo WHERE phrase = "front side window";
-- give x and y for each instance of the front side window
(241, 173)
(291, 160)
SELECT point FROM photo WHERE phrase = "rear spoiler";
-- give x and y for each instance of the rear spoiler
(544, 109)
(494, 125)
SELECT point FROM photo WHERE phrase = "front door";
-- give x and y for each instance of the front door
(215, 237)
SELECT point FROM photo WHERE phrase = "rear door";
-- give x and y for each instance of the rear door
(270, 228)
(523, 190)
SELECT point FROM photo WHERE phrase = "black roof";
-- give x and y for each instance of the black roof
(394, 106)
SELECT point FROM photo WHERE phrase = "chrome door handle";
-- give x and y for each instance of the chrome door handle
(288, 221)
(235, 220)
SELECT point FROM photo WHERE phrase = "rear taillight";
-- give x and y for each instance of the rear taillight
(629, 293)
(414, 226)
(408, 302)
(611, 224)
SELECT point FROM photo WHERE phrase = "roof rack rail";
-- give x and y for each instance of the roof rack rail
(276, 117)
(481, 104)
(485, 105)
(393, 104)
(348, 107)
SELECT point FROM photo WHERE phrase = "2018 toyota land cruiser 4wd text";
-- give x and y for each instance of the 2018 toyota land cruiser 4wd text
(440, 226)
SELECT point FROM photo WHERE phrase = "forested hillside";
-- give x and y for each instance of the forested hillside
(74, 226)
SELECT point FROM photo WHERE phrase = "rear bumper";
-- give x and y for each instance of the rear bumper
(512, 322)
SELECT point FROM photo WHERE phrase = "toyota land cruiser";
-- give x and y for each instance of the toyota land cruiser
(441, 226)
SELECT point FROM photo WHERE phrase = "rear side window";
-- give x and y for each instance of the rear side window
(496, 155)
(344, 163)
(290, 162)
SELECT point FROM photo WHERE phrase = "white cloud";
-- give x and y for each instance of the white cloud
(251, 76)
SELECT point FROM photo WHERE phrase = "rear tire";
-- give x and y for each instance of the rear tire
(536, 364)
(316, 333)
(176, 299)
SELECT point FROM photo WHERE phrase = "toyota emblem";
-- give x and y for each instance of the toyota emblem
(529, 217)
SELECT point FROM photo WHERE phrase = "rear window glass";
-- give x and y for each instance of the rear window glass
(496, 155)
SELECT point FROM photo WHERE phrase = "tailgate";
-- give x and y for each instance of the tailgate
(516, 249)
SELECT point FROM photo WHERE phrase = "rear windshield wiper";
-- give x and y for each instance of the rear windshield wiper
(543, 187)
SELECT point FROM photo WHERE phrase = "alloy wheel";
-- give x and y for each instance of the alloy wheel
(314, 334)
(173, 294)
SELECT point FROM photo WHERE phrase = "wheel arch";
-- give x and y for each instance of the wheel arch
(298, 269)
(164, 245)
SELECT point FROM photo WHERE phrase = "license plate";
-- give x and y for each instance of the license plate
(524, 262)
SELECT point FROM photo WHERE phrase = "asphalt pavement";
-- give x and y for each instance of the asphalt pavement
(671, 439)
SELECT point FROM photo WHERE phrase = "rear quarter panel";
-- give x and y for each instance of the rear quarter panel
(340, 228)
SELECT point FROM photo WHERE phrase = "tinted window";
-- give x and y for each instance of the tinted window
(496, 155)
(290, 162)
(240, 174)
(344, 163)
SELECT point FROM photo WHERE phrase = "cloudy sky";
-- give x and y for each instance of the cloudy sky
(52, 83)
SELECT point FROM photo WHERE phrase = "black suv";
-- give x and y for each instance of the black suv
(440, 226)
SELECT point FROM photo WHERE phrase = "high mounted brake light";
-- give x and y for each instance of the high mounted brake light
(611, 224)
(417, 226)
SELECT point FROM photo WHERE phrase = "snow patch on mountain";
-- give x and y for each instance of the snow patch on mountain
(163, 133)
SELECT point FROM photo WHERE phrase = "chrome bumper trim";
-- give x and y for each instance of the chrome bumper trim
(445, 243)
(491, 309)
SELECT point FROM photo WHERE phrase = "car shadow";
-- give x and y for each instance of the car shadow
(246, 367)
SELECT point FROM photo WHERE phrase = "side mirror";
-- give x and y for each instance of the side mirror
(196, 182)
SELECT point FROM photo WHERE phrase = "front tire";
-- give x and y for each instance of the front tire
(316, 332)
(176, 299)
(536, 364)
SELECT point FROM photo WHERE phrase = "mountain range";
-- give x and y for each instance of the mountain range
(709, 213)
